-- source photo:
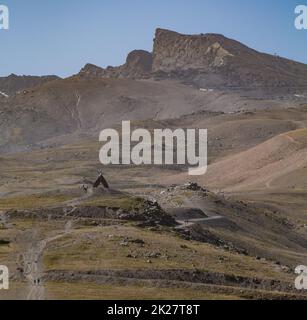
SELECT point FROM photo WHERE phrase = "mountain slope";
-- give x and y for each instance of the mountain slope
(208, 60)
(13, 83)
(215, 60)
(278, 163)
(149, 86)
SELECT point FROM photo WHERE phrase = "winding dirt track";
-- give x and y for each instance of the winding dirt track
(191, 222)
(31, 263)
(31, 260)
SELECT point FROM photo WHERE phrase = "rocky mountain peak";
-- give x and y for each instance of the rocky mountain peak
(138, 65)
(216, 61)
(175, 52)
(139, 62)
(206, 60)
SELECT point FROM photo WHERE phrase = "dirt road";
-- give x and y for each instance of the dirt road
(31, 263)
(191, 222)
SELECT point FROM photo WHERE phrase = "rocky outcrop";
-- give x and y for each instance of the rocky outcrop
(212, 60)
(91, 70)
(174, 52)
(207, 61)
(138, 65)
(151, 214)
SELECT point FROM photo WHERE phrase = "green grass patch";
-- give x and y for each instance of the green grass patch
(32, 202)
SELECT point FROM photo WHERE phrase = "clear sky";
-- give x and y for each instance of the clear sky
(60, 36)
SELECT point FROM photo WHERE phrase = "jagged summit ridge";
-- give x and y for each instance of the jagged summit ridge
(175, 52)
(138, 65)
(207, 60)
(214, 60)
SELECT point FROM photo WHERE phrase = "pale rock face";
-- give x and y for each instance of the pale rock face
(173, 51)
(218, 54)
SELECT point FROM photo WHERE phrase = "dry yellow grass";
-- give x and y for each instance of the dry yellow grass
(104, 248)
(32, 202)
(81, 291)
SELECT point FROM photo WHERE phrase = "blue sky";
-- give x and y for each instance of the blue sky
(60, 36)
